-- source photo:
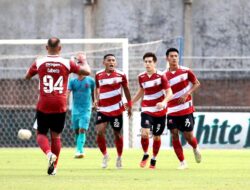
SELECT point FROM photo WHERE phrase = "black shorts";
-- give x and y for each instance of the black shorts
(116, 122)
(155, 124)
(183, 123)
(53, 121)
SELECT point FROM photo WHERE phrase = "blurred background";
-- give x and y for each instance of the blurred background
(212, 37)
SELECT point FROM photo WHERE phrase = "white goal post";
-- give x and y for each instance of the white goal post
(124, 66)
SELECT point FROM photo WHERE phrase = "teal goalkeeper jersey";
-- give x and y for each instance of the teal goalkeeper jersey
(81, 89)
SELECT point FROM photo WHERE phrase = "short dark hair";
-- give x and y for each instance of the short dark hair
(109, 54)
(53, 42)
(171, 50)
(150, 54)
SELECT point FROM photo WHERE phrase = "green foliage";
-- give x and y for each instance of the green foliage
(25, 168)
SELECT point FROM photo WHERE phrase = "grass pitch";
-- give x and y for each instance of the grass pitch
(25, 168)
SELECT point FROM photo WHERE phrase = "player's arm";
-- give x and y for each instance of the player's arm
(68, 95)
(31, 71)
(128, 97)
(168, 95)
(96, 97)
(84, 66)
(93, 98)
(84, 69)
(139, 94)
(196, 84)
(28, 76)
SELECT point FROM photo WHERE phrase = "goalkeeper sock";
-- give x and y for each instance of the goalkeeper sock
(80, 142)
(76, 137)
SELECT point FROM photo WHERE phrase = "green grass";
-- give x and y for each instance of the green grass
(25, 168)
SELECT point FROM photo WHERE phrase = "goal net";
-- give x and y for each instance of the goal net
(18, 97)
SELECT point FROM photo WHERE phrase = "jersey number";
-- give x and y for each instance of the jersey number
(49, 85)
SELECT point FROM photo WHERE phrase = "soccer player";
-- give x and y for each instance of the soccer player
(183, 83)
(155, 93)
(82, 88)
(53, 72)
(109, 85)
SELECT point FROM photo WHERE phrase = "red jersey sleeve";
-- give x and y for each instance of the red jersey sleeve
(191, 76)
(165, 83)
(74, 67)
(33, 69)
(96, 81)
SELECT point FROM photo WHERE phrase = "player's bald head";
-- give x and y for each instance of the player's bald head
(53, 46)
(53, 42)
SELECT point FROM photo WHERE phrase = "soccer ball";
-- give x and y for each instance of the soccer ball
(24, 134)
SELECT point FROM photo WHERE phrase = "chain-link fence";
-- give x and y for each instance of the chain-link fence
(224, 85)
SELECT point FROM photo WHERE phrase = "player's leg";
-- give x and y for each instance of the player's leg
(57, 125)
(188, 134)
(172, 123)
(42, 139)
(146, 123)
(75, 126)
(158, 128)
(83, 127)
(116, 124)
(101, 124)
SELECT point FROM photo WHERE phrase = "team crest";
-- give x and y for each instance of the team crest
(86, 85)
(147, 122)
(170, 121)
(155, 83)
(99, 117)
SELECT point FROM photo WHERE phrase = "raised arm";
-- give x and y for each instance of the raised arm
(84, 66)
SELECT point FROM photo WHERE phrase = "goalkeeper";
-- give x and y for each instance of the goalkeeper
(82, 88)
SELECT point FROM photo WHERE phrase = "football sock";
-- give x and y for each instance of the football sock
(43, 142)
(80, 142)
(178, 149)
(56, 147)
(156, 147)
(119, 146)
(101, 142)
(76, 137)
(193, 143)
(145, 144)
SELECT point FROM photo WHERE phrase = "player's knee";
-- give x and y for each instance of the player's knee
(100, 133)
(145, 134)
(175, 135)
(157, 138)
(81, 131)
